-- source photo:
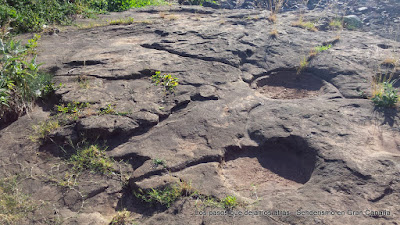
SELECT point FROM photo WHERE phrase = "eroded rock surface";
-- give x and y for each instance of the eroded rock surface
(241, 121)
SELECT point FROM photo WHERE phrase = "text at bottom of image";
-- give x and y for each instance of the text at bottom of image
(299, 212)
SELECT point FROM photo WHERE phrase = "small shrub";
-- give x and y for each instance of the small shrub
(159, 162)
(229, 202)
(91, 157)
(383, 92)
(167, 80)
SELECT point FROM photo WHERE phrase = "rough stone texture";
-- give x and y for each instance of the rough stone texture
(241, 121)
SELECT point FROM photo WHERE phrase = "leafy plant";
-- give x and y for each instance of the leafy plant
(109, 109)
(72, 107)
(167, 80)
(159, 162)
(323, 48)
(383, 92)
(229, 202)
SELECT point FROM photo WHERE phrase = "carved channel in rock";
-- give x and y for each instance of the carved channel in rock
(289, 85)
(277, 165)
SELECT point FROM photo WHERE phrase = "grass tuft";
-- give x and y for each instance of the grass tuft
(383, 92)
(93, 158)
(305, 25)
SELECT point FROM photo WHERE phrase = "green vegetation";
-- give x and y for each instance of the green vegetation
(383, 92)
(229, 202)
(20, 80)
(72, 107)
(14, 206)
(93, 158)
(159, 162)
(43, 129)
(109, 109)
(305, 25)
(303, 64)
(167, 195)
(122, 218)
(125, 21)
(32, 15)
(323, 48)
(167, 80)
(336, 24)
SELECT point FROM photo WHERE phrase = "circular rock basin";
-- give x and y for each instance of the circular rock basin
(278, 165)
(289, 85)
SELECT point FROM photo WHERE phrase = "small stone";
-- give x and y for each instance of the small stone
(362, 9)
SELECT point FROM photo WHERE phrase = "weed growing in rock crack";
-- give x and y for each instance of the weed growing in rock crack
(43, 129)
(170, 82)
(305, 25)
(383, 92)
(125, 21)
(274, 33)
(93, 158)
(14, 206)
(167, 195)
(83, 82)
(303, 64)
(122, 218)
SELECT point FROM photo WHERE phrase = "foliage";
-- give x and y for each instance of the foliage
(229, 202)
(383, 93)
(159, 162)
(14, 206)
(167, 80)
(323, 48)
(32, 15)
(41, 130)
(91, 157)
(165, 196)
(125, 21)
(303, 65)
(336, 24)
(20, 79)
(121, 218)
(72, 107)
(305, 25)
(109, 109)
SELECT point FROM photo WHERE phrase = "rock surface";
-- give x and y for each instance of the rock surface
(241, 122)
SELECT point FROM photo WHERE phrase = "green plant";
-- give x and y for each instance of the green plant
(305, 25)
(323, 48)
(167, 80)
(109, 109)
(229, 202)
(125, 21)
(303, 64)
(72, 107)
(41, 130)
(336, 24)
(91, 157)
(159, 162)
(20, 79)
(14, 206)
(383, 92)
(165, 196)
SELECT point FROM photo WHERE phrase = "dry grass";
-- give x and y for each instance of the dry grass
(124, 21)
(274, 33)
(305, 25)
(389, 62)
(272, 18)
(303, 64)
